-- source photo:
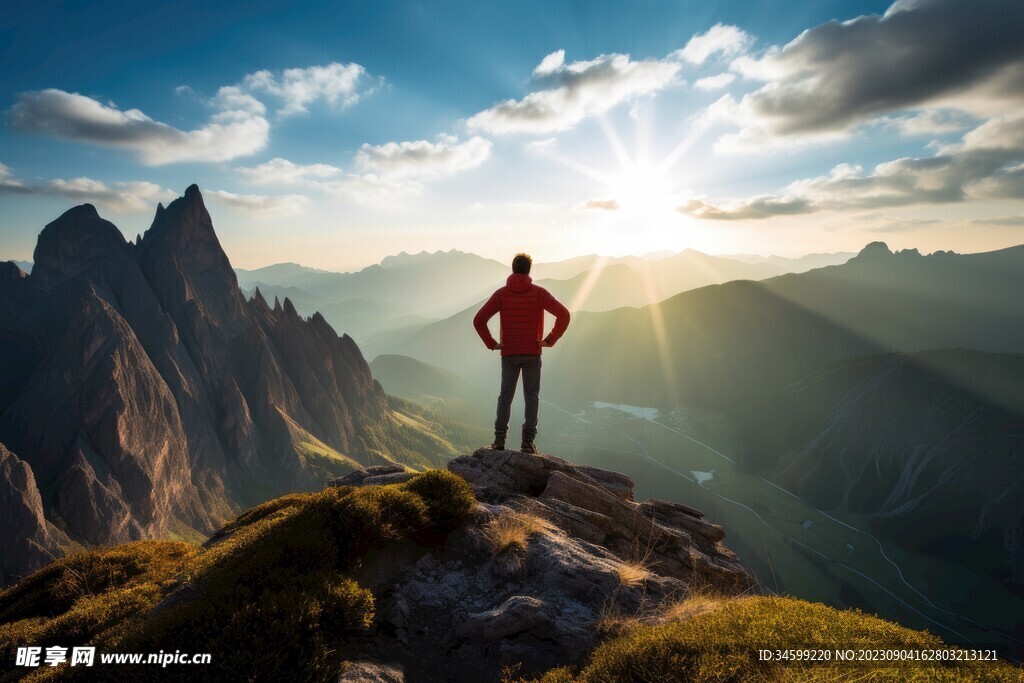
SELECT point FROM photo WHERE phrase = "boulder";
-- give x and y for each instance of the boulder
(597, 505)
(464, 611)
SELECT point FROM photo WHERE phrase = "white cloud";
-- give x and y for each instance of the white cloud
(728, 41)
(985, 163)
(577, 91)
(550, 64)
(8, 183)
(714, 82)
(238, 126)
(230, 133)
(370, 189)
(540, 145)
(339, 85)
(280, 171)
(233, 98)
(423, 160)
(1013, 220)
(261, 206)
(387, 173)
(118, 197)
(600, 203)
(930, 122)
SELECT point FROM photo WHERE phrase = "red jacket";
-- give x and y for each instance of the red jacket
(521, 305)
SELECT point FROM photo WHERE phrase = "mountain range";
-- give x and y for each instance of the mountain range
(143, 396)
(406, 291)
(720, 345)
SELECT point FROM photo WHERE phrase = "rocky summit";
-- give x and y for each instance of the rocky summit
(143, 396)
(551, 551)
(504, 567)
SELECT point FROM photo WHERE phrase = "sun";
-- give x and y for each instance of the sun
(637, 208)
(643, 192)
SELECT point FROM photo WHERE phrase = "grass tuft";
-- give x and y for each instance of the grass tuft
(633, 573)
(511, 531)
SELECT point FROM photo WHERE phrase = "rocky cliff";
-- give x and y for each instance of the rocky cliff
(147, 398)
(551, 550)
(29, 541)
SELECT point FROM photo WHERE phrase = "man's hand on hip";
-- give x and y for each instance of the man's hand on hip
(545, 343)
(496, 347)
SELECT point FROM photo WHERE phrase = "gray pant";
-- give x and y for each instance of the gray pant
(511, 366)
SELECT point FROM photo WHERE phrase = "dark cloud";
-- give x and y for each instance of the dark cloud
(833, 76)
(758, 207)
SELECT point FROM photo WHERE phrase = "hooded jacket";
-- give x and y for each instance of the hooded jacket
(521, 305)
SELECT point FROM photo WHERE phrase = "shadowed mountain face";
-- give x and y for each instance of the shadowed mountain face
(929, 446)
(146, 397)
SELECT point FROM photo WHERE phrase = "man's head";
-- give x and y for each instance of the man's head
(521, 264)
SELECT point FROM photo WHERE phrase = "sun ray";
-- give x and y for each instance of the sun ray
(625, 161)
(593, 275)
(682, 148)
(661, 339)
(588, 171)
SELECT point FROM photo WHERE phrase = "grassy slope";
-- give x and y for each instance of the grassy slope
(718, 640)
(272, 595)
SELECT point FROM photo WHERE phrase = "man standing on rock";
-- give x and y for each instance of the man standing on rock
(521, 305)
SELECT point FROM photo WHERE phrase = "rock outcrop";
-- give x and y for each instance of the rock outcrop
(149, 397)
(464, 611)
(30, 541)
(597, 506)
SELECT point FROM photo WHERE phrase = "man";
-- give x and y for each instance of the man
(521, 305)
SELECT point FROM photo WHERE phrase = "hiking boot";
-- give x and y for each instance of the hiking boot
(499, 438)
(529, 434)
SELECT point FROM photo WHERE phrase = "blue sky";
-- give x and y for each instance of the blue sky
(335, 133)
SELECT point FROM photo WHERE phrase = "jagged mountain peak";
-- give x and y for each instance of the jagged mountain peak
(143, 390)
(184, 261)
(72, 243)
(260, 300)
(181, 225)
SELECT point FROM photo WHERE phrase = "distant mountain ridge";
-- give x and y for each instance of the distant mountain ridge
(147, 397)
(408, 290)
(718, 345)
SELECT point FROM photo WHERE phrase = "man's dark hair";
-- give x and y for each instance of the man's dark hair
(521, 264)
